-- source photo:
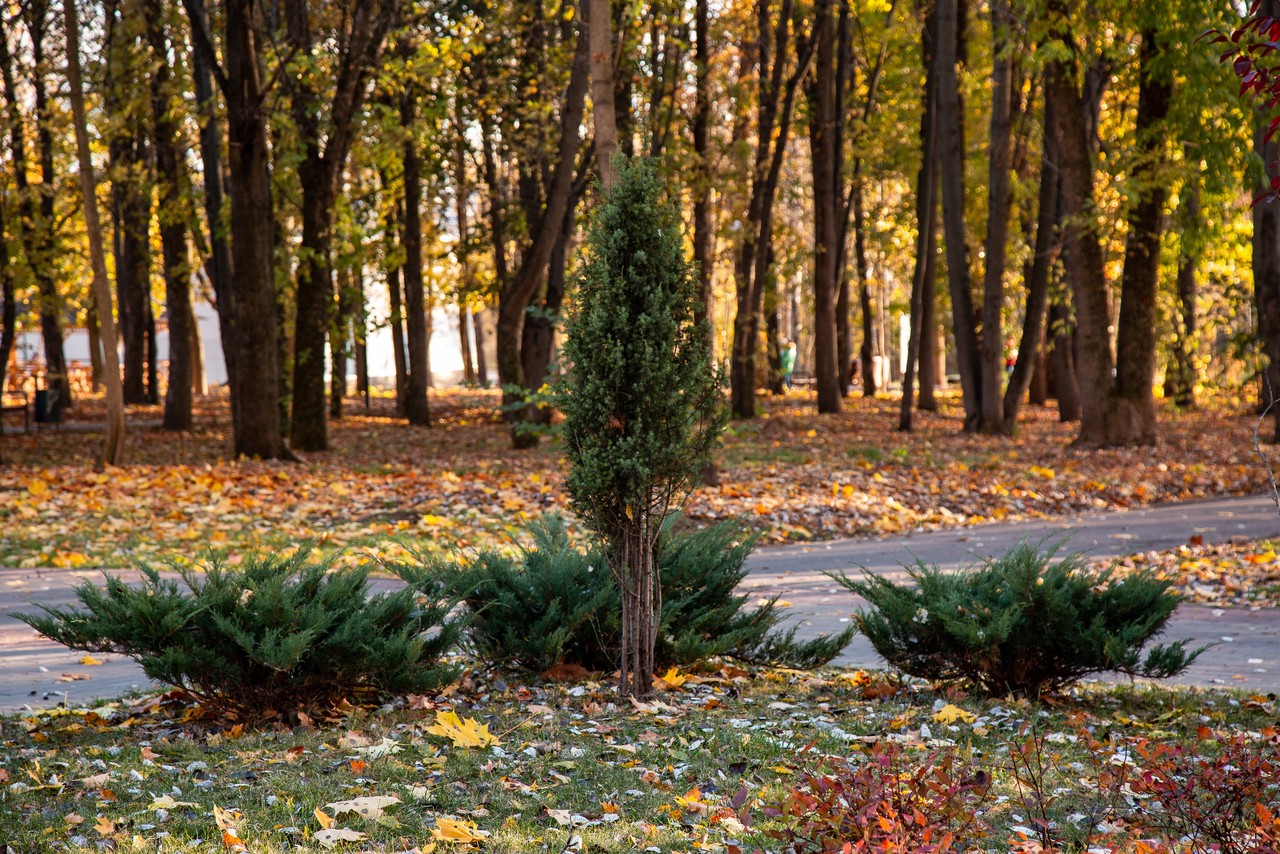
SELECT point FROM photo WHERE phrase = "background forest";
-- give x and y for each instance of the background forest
(1040, 199)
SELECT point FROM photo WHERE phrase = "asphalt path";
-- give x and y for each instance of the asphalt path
(35, 672)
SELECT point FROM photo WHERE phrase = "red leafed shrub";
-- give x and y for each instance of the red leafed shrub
(1220, 799)
(885, 803)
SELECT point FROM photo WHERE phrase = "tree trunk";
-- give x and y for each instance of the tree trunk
(113, 446)
(951, 151)
(482, 360)
(417, 407)
(703, 224)
(258, 432)
(540, 327)
(517, 294)
(219, 264)
(604, 118)
(1181, 380)
(929, 372)
(998, 202)
(1084, 261)
(926, 207)
(340, 341)
(823, 144)
(1132, 419)
(1031, 345)
(35, 220)
(1062, 361)
(869, 349)
(173, 223)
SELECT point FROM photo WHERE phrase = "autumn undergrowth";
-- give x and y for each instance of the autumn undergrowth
(793, 474)
(497, 764)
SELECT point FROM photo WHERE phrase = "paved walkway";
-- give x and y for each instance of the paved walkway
(37, 672)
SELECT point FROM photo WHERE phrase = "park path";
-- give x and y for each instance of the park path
(36, 672)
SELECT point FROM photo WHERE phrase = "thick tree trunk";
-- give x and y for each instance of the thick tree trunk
(1132, 419)
(929, 373)
(604, 118)
(1045, 249)
(417, 407)
(113, 445)
(998, 201)
(826, 226)
(1084, 261)
(258, 432)
(1062, 361)
(926, 209)
(173, 224)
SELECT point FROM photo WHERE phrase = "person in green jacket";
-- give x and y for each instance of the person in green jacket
(787, 358)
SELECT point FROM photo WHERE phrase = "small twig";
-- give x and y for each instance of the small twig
(1257, 446)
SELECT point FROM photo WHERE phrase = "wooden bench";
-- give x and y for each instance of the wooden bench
(803, 379)
(16, 401)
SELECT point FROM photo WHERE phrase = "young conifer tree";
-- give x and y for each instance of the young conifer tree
(641, 399)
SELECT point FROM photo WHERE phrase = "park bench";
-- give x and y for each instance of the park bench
(16, 401)
(802, 379)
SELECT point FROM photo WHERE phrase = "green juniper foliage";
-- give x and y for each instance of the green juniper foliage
(273, 636)
(555, 603)
(641, 401)
(1022, 623)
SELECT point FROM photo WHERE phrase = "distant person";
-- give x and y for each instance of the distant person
(787, 359)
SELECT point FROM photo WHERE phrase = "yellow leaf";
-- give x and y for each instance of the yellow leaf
(812, 434)
(1047, 474)
(105, 826)
(951, 713)
(90, 661)
(463, 733)
(674, 678)
(37, 488)
(323, 817)
(452, 830)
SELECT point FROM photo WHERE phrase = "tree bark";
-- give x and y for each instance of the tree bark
(703, 225)
(417, 407)
(1043, 254)
(482, 360)
(998, 201)
(517, 293)
(604, 117)
(35, 220)
(1132, 416)
(870, 342)
(257, 366)
(173, 216)
(1181, 380)
(926, 207)
(951, 151)
(113, 445)
(219, 263)
(827, 181)
(324, 157)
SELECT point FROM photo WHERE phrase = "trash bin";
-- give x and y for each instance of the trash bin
(48, 406)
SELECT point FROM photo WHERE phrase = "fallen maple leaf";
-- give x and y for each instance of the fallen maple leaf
(673, 678)
(463, 733)
(326, 821)
(226, 819)
(90, 661)
(105, 826)
(452, 830)
(951, 713)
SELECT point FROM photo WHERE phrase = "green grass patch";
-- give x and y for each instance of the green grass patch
(695, 770)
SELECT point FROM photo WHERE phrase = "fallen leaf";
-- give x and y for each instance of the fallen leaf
(326, 821)
(334, 836)
(463, 733)
(673, 678)
(90, 661)
(370, 807)
(105, 826)
(227, 819)
(951, 713)
(453, 830)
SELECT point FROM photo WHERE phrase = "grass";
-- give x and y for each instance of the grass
(661, 777)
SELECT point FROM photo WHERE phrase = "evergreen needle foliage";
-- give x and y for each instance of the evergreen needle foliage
(1022, 623)
(265, 639)
(641, 401)
(554, 603)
